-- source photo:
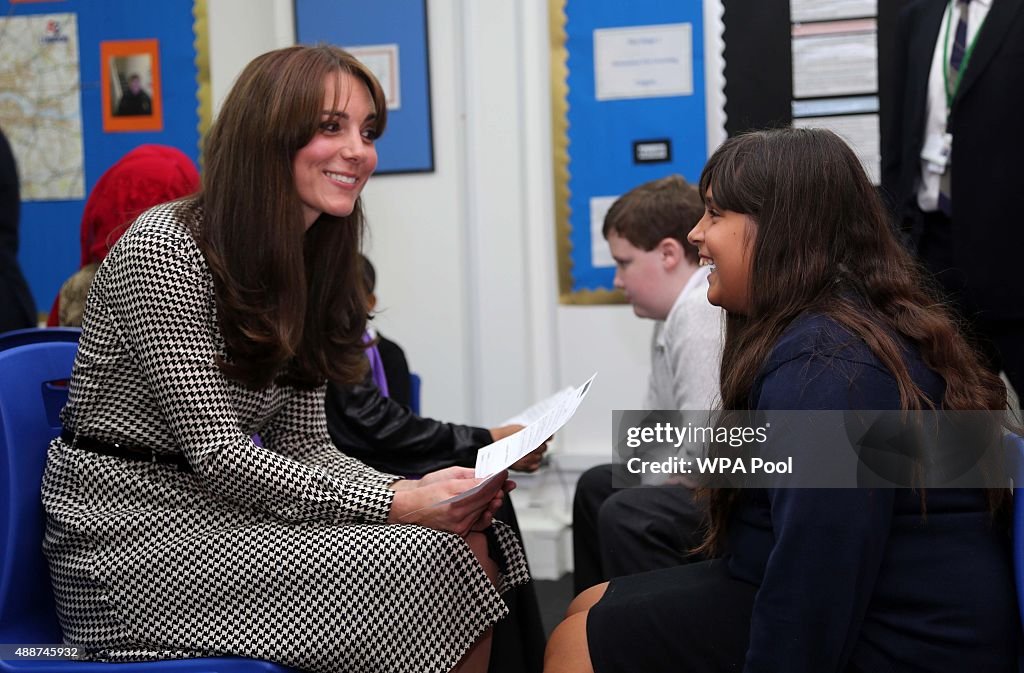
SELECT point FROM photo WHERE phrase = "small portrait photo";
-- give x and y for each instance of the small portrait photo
(132, 98)
(131, 86)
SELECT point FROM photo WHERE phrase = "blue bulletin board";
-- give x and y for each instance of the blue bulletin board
(629, 106)
(391, 33)
(52, 108)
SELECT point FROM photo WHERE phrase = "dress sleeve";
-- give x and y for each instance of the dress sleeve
(829, 543)
(299, 431)
(161, 294)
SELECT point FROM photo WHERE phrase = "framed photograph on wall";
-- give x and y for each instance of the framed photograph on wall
(130, 84)
(397, 52)
(382, 60)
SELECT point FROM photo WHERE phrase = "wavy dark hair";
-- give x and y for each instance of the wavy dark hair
(291, 303)
(823, 243)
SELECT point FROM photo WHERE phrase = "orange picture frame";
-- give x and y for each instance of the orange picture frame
(130, 83)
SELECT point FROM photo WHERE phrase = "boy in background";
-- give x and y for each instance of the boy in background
(624, 531)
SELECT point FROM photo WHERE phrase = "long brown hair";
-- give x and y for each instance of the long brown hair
(290, 303)
(824, 244)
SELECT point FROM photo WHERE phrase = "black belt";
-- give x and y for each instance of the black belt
(122, 451)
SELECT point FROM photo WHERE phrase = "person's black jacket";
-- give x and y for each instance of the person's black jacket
(17, 309)
(396, 370)
(134, 104)
(988, 227)
(389, 437)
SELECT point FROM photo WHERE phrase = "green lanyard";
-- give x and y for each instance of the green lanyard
(945, 57)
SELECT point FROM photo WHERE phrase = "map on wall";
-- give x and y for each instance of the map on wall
(40, 110)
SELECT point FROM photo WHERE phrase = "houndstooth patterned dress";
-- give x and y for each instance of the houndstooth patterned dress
(276, 553)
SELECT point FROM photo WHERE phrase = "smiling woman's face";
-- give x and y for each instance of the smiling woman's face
(725, 240)
(332, 168)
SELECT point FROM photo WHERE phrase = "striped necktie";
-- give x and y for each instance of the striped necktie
(956, 59)
(959, 47)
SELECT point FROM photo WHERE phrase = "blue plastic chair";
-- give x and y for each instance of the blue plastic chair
(415, 385)
(1016, 445)
(33, 389)
(36, 335)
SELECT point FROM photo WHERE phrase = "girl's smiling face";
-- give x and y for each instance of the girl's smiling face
(725, 240)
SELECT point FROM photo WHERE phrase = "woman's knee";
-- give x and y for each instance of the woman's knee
(568, 650)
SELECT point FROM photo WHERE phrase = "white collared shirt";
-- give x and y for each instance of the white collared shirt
(935, 113)
(686, 351)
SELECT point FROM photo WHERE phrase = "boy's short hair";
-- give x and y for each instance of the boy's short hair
(665, 208)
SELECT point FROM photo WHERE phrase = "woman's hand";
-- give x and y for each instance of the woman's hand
(531, 462)
(454, 472)
(425, 503)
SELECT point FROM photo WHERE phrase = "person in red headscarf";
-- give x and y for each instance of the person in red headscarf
(145, 177)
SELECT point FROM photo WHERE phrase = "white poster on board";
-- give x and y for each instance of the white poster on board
(860, 132)
(839, 58)
(830, 10)
(600, 255)
(643, 61)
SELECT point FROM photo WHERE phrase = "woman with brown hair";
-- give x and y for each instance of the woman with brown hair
(826, 311)
(170, 532)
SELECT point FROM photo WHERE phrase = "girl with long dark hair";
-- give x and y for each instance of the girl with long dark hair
(826, 311)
